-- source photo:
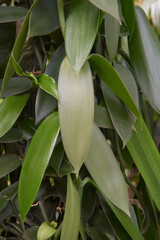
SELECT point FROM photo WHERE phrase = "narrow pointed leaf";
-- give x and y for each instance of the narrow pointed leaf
(107, 73)
(144, 52)
(8, 164)
(11, 14)
(45, 231)
(81, 29)
(103, 167)
(10, 109)
(119, 116)
(76, 111)
(147, 159)
(112, 31)
(48, 84)
(39, 25)
(128, 11)
(71, 221)
(36, 161)
(109, 6)
(17, 49)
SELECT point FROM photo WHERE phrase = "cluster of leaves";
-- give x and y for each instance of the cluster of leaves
(71, 155)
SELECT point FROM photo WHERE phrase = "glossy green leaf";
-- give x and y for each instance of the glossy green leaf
(147, 159)
(39, 25)
(102, 166)
(17, 49)
(107, 73)
(16, 86)
(13, 135)
(48, 84)
(8, 164)
(118, 114)
(10, 109)
(71, 221)
(109, 6)
(102, 117)
(129, 81)
(76, 111)
(11, 14)
(128, 12)
(36, 161)
(45, 231)
(81, 28)
(112, 31)
(144, 52)
(3, 202)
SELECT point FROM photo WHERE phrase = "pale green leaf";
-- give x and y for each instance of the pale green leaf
(71, 221)
(76, 111)
(103, 167)
(45, 231)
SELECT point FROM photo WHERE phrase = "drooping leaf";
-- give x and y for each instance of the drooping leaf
(45, 231)
(81, 29)
(48, 84)
(119, 116)
(102, 118)
(8, 164)
(45, 103)
(144, 52)
(11, 14)
(17, 49)
(36, 161)
(13, 135)
(72, 213)
(112, 31)
(128, 12)
(147, 159)
(109, 6)
(76, 111)
(129, 81)
(107, 73)
(39, 25)
(10, 109)
(16, 86)
(102, 166)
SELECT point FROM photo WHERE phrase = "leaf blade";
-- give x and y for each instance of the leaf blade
(36, 154)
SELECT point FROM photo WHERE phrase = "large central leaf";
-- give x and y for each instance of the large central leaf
(81, 28)
(76, 111)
